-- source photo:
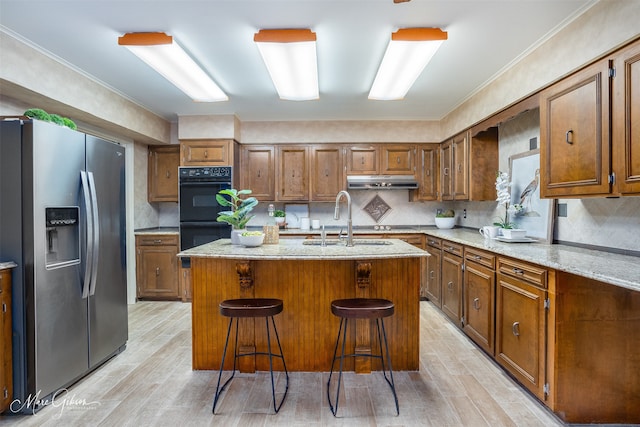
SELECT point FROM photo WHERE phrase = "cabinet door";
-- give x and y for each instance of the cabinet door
(427, 172)
(6, 365)
(520, 331)
(397, 160)
(257, 171)
(479, 297)
(434, 288)
(460, 166)
(452, 286)
(362, 160)
(327, 172)
(574, 134)
(157, 267)
(206, 152)
(626, 121)
(293, 173)
(162, 177)
(446, 175)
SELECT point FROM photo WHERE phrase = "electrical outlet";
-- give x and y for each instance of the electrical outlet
(562, 210)
(464, 213)
(533, 143)
(438, 211)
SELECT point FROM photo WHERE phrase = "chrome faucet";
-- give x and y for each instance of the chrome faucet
(336, 215)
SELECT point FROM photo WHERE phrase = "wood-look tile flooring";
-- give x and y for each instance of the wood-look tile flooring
(152, 384)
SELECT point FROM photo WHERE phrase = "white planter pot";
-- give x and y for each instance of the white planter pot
(235, 236)
(445, 222)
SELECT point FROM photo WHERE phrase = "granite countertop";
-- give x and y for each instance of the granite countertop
(616, 269)
(7, 264)
(157, 230)
(288, 249)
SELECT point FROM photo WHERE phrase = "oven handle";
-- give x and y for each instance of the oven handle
(203, 183)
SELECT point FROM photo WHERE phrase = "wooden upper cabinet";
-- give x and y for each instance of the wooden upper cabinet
(327, 172)
(363, 160)
(293, 173)
(574, 134)
(427, 172)
(626, 121)
(257, 171)
(162, 173)
(446, 176)
(468, 166)
(206, 152)
(460, 166)
(397, 159)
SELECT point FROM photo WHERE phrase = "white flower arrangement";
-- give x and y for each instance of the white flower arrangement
(503, 190)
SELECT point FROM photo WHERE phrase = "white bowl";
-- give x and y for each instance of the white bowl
(513, 233)
(252, 240)
(445, 222)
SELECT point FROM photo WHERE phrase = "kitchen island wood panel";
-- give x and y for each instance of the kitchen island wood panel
(307, 328)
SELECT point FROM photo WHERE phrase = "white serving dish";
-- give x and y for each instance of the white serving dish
(251, 241)
(445, 222)
(513, 233)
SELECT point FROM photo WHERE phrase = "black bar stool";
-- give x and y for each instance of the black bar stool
(361, 308)
(252, 307)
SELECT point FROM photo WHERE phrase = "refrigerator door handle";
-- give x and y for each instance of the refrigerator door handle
(88, 269)
(96, 233)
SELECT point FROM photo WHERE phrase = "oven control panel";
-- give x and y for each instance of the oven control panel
(205, 173)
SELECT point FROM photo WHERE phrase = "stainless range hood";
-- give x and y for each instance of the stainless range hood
(381, 182)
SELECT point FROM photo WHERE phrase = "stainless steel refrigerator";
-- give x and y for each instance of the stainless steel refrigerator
(62, 220)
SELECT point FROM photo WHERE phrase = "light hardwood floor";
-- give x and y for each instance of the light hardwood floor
(151, 384)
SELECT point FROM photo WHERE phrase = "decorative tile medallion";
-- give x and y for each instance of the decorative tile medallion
(377, 208)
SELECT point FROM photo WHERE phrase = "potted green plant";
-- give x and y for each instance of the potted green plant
(279, 216)
(446, 219)
(239, 214)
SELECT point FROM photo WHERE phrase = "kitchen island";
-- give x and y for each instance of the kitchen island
(307, 277)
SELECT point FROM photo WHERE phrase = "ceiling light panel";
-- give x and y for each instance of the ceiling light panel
(165, 56)
(290, 57)
(407, 54)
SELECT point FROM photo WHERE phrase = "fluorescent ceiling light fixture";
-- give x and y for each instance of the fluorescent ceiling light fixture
(290, 57)
(165, 56)
(408, 52)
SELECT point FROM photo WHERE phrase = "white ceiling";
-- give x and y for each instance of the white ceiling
(485, 37)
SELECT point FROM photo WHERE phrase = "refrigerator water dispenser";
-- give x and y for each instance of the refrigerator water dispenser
(63, 237)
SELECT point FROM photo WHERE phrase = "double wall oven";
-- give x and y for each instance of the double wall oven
(198, 186)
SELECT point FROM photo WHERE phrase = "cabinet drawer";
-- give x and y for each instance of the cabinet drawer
(434, 242)
(530, 273)
(413, 239)
(157, 240)
(452, 248)
(481, 257)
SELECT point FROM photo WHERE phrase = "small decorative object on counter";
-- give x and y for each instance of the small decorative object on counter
(503, 191)
(280, 217)
(271, 230)
(446, 219)
(251, 239)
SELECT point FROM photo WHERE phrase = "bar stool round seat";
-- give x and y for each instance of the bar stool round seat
(361, 308)
(251, 307)
(235, 309)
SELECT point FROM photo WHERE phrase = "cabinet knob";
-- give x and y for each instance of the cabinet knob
(450, 286)
(446, 171)
(206, 154)
(432, 274)
(398, 159)
(476, 303)
(515, 328)
(157, 271)
(518, 271)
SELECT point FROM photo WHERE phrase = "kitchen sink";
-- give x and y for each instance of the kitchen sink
(356, 242)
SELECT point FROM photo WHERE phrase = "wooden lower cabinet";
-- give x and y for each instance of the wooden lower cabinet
(521, 323)
(185, 284)
(157, 266)
(452, 281)
(6, 371)
(595, 358)
(479, 298)
(433, 288)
